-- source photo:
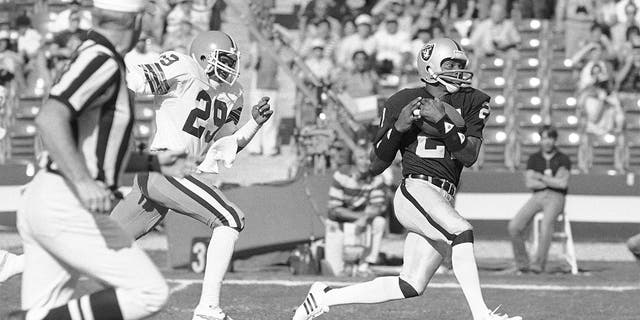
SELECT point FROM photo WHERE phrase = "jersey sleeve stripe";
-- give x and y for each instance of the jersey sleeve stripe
(164, 85)
(234, 116)
(152, 78)
(79, 74)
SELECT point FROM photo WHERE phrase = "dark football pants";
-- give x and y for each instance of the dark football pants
(153, 195)
(551, 204)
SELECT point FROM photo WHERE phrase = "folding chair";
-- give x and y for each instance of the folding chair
(565, 236)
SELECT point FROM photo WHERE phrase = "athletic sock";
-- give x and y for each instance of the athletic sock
(466, 271)
(102, 305)
(375, 291)
(223, 240)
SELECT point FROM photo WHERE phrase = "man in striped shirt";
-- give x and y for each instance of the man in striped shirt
(354, 201)
(86, 129)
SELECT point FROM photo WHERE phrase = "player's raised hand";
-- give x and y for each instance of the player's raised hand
(408, 115)
(176, 163)
(261, 112)
(94, 195)
(432, 109)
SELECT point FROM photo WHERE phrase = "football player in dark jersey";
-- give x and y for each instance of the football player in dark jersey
(435, 145)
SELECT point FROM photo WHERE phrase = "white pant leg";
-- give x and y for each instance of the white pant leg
(91, 244)
(333, 246)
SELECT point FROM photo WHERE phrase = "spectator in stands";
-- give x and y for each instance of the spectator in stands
(536, 9)
(29, 40)
(66, 41)
(355, 207)
(496, 35)
(266, 84)
(12, 64)
(392, 47)
(457, 9)
(621, 11)
(63, 18)
(619, 30)
(547, 175)
(354, 8)
(180, 39)
(178, 15)
(201, 14)
(315, 11)
(318, 62)
(574, 18)
(322, 33)
(362, 40)
(607, 13)
(154, 19)
(360, 80)
(5, 144)
(348, 28)
(626, 50)
(142, 53)
(628, 77)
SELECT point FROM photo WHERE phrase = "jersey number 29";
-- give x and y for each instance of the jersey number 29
(219, 117)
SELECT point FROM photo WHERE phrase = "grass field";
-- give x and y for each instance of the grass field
(603, 290)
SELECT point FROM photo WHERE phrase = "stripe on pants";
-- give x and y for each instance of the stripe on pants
(416, 204)
(204, 199)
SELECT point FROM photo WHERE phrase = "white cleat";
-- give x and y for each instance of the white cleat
(313, 305)
(496, 316)
(207, 313)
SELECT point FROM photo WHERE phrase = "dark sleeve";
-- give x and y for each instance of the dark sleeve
(531, 163)
(390, 112)
(478, 114)
(566, 162)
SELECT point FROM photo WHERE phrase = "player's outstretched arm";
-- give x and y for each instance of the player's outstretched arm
(260, 113)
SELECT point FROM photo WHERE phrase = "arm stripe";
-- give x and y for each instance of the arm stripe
(152, 79)
(164, 85)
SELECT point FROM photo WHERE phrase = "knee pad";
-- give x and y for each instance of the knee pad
(408, 291)
(463, 237)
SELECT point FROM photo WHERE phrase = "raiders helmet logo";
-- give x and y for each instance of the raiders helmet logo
(426, 51)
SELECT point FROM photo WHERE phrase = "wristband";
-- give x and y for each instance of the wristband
(454, 140)
(389, 144)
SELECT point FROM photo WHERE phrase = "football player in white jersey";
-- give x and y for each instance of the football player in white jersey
(200, 105)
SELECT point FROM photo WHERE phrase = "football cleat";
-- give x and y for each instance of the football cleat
(207, 313)
(313, 305)
(495, 316)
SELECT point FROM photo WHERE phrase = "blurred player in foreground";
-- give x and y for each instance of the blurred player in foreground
(200, 105)
(85, 126)
(438, 129)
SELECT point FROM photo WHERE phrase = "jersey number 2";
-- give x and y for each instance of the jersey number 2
(219, 117)
(428, 148)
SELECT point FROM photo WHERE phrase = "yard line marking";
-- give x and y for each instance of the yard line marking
(182, 283)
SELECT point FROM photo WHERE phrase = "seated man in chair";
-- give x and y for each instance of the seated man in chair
(355, 207)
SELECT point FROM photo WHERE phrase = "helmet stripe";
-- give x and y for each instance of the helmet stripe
(456, 44)
(233, 44)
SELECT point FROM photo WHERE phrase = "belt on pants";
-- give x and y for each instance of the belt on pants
(443, 184)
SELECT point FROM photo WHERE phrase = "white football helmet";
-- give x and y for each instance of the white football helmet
(431, 57)
(218, 55)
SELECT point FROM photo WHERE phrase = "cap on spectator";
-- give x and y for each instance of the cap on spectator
(317, 43)
(121, 5)
(364, 19)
